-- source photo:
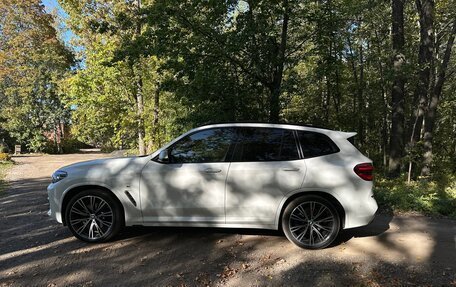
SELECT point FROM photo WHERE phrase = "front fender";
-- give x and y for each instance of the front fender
(132, 213)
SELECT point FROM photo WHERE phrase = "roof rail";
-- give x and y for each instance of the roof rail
(265, 122)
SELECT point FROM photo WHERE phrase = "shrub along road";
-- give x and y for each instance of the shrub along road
(34, 250)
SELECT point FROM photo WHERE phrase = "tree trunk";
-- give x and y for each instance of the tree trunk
(430, 117)
(275, 88)
(55, 137)
(360, 95)
(358, 98)
(140, 114)
(157, 142)
(397, 120)
(139, 96)
(328, 96)
(384, 132)
(426, 11)
(425, 56)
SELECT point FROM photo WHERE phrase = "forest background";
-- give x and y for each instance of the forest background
(134, 74)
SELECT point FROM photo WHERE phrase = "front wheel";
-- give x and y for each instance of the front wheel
(94, 216)
(311, 222)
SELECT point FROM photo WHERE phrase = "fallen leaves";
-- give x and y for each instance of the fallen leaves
(280, 261)
(228, 272)
(180, 275)
(203, 279)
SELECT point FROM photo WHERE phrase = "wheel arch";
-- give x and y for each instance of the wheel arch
(74, 190)
(339, 208)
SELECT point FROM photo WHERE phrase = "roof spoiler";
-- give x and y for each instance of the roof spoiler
(347, 135)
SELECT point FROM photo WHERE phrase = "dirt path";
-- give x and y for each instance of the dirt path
(34, 250)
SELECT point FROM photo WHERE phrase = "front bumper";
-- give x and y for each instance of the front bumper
(54, 203)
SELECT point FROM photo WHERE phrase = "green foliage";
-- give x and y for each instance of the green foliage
(4, 157)
(104, 93)
(444, 140)
(37, 143)
(3, 148)
(4, 167)
(225, 55)
(67, 145)
(217, 61)
(32, 62)
(437, 197)
(71, 145)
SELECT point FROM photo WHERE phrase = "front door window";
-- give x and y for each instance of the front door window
(203, 147)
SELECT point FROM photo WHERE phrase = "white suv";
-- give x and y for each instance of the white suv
(307, 181)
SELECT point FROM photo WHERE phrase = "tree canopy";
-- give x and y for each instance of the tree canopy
(33, 61)
(149, 70)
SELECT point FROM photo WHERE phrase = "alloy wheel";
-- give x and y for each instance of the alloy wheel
(91, 217)
(311, 223)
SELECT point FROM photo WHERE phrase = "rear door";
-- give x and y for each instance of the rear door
(265, 166)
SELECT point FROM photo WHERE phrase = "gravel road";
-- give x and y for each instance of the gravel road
(36, 251)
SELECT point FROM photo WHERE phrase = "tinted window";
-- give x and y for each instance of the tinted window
(204, 146)
(355, 143)
(316, 144)
(263, 144)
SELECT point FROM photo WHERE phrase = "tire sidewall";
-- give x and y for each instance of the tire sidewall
(116, 209)
(293, 204)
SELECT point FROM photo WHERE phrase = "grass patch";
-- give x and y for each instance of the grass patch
(4, 167)
(436, 197)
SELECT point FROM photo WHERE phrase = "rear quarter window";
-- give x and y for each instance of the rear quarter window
(315, 144)
(357, 145)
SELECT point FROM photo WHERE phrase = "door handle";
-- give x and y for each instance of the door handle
(212, 170)
(290, 169)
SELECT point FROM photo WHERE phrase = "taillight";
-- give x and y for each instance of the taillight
(365, 171)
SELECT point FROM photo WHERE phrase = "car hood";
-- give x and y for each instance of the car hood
(107, 165)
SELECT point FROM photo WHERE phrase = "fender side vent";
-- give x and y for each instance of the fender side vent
(130, 197)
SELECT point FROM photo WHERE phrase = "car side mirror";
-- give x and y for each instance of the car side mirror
(163, 156)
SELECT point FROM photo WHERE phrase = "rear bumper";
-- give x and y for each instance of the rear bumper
(362, 214)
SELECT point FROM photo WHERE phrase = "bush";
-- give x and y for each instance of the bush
(433, 197)
(71, 145)
(4, 167)
(68, 145)
(37, 144)
(3, 148)
(4, 157)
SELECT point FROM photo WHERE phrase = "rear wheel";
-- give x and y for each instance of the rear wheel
(94, 216)
(311, 222)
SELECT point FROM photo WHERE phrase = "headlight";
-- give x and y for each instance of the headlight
(58, 175)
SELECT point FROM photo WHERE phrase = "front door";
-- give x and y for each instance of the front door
(190, 186)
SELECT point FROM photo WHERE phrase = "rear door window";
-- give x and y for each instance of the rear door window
(266, 144)
(315, 144)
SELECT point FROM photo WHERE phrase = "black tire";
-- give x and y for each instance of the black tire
(94, 216)
(311, 222)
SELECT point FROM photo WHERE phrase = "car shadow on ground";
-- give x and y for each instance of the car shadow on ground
(378, 226)
(138, 231)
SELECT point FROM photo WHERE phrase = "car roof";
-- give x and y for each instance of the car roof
(267, 125)
(331, 133)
